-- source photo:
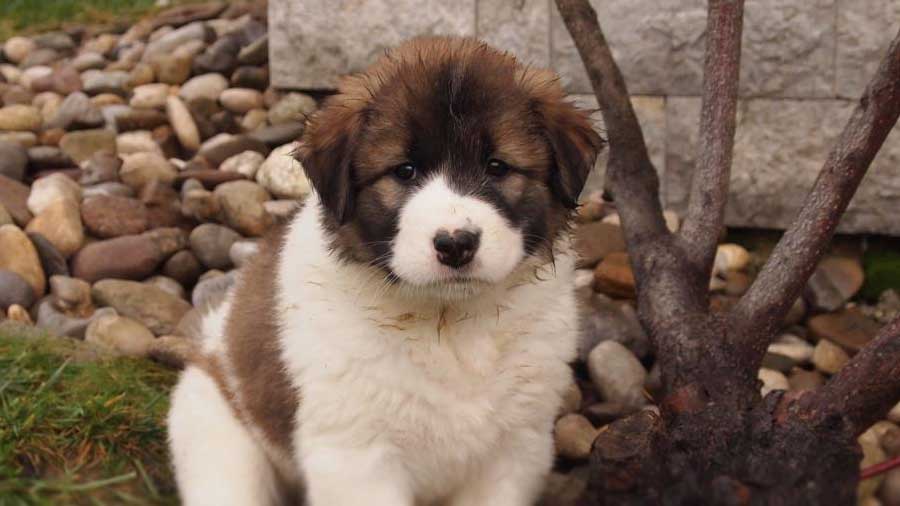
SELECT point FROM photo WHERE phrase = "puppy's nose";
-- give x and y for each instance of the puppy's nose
(456, 249)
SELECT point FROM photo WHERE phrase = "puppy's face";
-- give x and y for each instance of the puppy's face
(447, 165)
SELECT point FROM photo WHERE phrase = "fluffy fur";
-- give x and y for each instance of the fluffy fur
(350, 366)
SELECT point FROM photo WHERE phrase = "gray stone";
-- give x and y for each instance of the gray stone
(111, 81)
(169, 285)
(603, 319)
(62, 324)
(310, 49)
(210, 291)
(120, 335)
(864, 31)
(293, 107)
(13, 159)
(174, 39)
(159, 310)
(522, 27)
(14, 289)
(242, 251)
(617, 374)
(212, 245)
(768, 185)
(574, 435)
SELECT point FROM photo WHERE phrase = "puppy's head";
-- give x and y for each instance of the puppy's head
(447, 164)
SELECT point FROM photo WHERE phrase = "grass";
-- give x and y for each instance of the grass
(79, 428)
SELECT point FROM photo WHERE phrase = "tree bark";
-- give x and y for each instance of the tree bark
(716, 440)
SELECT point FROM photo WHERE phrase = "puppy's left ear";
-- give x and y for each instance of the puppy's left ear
(326, 153)
(575, 147)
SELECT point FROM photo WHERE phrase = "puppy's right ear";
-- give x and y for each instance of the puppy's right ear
(326, 152)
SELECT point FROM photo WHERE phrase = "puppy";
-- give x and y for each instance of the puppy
(404, 339)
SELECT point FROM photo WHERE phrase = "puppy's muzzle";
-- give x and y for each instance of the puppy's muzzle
(458, 248)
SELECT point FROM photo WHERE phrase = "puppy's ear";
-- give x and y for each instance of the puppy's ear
(326, 152)
(575, 147)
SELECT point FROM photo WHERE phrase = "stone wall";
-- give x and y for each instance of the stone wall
(804, 63)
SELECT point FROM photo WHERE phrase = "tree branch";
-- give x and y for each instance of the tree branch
(762, 309)
(709, 185)
(863, 391)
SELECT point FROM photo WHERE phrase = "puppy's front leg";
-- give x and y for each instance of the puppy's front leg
(515, 477)
(368, 475)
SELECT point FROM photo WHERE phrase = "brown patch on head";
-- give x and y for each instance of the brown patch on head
(448, 106)
(265, 395)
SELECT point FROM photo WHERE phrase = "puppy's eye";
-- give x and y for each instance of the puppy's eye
(497, 168)
(405, 171)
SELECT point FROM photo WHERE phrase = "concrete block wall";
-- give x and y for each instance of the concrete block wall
(804, 63)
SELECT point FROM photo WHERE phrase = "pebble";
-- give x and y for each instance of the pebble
(14, 159)
(212, 243)
(283, 175)
(223, 146)
(108, 216)
(81, 145)
(49, 189)
(205, 86)
(52, 261)
(574, 436)
(209, 292)
(849, 328)
(59, 323)
(14, 289)
(772, 380)
(17, 254)
(20, 118)
(71, 294)
(105, 81)
(139, 169)
(157, 309)
(241, 100)
(245, 164)
(792, 347)
(173, 351)
(183, 267)
(594, 241)
(183, 123)
(76, 110)
(127, 257)
(149, 96)
(835, 281)
(169, 285)
(872, 454)
(60, 223)
(602, 319)
(829, 357)
(292, 107)
(19, 314)
(120, 335)
(613, 276)
(241, 204)
(617, 374)
(14, 198)
(139, 141)
(16, 49)
(242, 251)
(731, 257)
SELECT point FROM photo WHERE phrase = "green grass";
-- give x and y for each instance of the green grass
(79, 428)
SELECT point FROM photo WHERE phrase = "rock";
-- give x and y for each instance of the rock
(572, 398)
(173, 68)
(17, 313)
(14, 198)
(101, 81)
(796, 314)
(183, 123)
(140, 141)
(890, 489)
(120, 335)
(241, 100)
(255, 53)
(242, 251)
(71, 294)
(48, 157)
(574, 435)
(16, 49)
(731, 257)
(52, 261)
(46, 190)
(256, 78)
(152, 306)
(109, 188)
(292, 107)
(169, 285)
(76, 110)
(796, 349)
(34, 73)
(17, 95)
(205, 86)
(594, 241)
(255, 119)
(172, 40)
(18, 255)
(849, 328)
(617, 374)
(139, 119)
(24, 139)
(14, 289)
(872, 454)
(801, 379)
(603, 319)
(245, 164)
(127, 257)
(89, 61)
(83, 144)
(60, 223)
(211, 291)
(173, 351)
(20, 118)
(5, 218)
(835, 281)
(183, 267)
(220, 56)
(242, 208)
(772, 380)
(613, 276)
(283, 175)
(13, 159)
(212, 243)
(281, 210)
(61, 324)
(829, 357)
(100, 168)
(113, 216)
(150, 96)
(59, 41)
(139, 169)
(221, 147)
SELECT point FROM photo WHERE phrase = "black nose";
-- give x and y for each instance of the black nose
(458, 249)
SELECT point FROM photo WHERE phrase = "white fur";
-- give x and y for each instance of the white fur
(407, 398)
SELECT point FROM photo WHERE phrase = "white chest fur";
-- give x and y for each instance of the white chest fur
(438, 388)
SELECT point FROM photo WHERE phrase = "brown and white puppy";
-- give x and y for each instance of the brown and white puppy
(404, 340)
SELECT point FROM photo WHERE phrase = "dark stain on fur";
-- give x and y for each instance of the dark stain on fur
(448, 106)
